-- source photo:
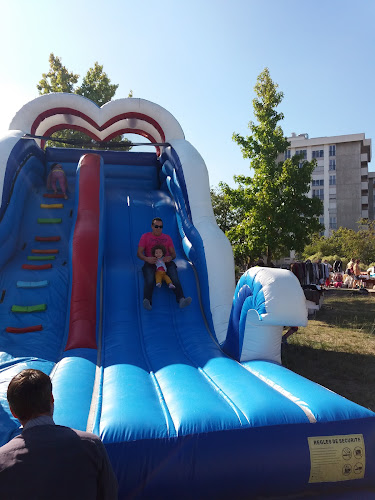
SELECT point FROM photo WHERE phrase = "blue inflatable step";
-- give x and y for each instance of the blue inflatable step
(32, 284)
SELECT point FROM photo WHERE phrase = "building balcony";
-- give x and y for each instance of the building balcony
(364, 157)
(364, 214)
(364, 185)
(364, 200)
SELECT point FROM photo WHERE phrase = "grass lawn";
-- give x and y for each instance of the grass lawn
(337, 348)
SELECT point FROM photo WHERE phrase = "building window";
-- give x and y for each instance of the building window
(333, 222)
(332, 150)
(303, 153)
(332, 164)
(318, 193)
(319, 153)
(318, 182)
(287, 154)
(332, 180)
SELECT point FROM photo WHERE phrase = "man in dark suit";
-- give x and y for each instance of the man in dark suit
(49, 461)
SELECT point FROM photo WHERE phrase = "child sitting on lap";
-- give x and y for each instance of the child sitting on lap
(159, 251)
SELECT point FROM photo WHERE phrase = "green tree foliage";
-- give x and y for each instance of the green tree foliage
(95, 85)
(225, 216)
(346, 243)
(58, 78)
(277, 216)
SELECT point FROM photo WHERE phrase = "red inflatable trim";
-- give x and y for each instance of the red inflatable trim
(47, 238)
(36, 267)
(52, 250)
(75, 112)
(79, 128)
(85, 251)
(53, 195)
(35, 328)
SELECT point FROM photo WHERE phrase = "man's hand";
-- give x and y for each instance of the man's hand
(150, 260)
(141, 255)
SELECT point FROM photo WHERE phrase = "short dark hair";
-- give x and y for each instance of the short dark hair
(161, 247)
(29, 394)
(155, 219)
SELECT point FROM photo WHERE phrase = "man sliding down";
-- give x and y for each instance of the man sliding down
(146, 243)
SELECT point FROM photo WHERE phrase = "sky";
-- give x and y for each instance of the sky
(200, 60)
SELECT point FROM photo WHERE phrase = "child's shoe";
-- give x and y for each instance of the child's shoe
(171, 285)
(158, 285)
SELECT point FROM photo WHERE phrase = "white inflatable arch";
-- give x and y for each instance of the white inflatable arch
(52, 112)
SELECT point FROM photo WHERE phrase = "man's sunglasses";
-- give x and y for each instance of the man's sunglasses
(157, 227)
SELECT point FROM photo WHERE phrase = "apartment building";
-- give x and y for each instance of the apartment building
(371, 195)
(341, 178)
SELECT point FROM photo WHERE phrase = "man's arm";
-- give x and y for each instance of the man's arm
(172, 254)
(141, 255)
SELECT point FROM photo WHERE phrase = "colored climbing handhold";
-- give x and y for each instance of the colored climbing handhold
(49, 221)
(34, 328)
(53, 195)
(29, 309)
(47, 238)
(36, 267)
(49, 250)
(41, 257)
(52, 205)
(32, 284)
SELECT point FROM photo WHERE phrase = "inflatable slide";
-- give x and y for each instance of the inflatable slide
(190, 403)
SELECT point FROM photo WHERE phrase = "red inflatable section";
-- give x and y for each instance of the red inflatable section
(85, 250)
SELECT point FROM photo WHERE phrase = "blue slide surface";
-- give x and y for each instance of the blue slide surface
(179, 418)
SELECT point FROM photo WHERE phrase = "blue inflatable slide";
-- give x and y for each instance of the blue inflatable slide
(190, 403)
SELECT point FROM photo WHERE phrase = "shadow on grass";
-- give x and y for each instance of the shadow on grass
(348, 309)
(348, 374)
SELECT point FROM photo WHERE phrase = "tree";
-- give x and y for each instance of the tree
(95, 85)
(365, 241)
(277, 214)
(58, 78)
(225, 216)
(346, 243)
